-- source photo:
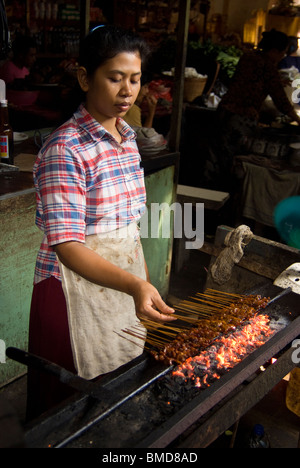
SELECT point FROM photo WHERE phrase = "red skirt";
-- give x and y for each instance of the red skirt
(49, 338)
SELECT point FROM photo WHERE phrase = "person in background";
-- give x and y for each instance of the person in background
(134, 116)
(256, 77)
(24, 57)
(91, 280)
(292, 58)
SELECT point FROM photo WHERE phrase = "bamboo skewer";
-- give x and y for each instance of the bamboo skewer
(167, 329)
(222, 293)
(152, 341)
(134, 342)
(202, 306)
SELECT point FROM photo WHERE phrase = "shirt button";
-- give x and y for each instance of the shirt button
(120, 149)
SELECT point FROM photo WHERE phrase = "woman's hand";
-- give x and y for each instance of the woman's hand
(91, 266)
(152, 103)
(149, 304)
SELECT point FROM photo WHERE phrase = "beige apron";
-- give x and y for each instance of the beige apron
(96, 314)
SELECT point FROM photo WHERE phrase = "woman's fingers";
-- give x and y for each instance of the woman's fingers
(157, 312)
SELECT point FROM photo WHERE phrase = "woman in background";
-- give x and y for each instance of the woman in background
(257, 76)
(292, 58)
(24, 57)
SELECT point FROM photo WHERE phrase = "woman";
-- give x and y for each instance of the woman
(256, 77)
(292, 58)
(24, 57)
(90, 278)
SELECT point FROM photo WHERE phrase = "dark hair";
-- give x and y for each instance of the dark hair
(274, 40)
(105, 42)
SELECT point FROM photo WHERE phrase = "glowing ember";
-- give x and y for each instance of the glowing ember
(225, 353)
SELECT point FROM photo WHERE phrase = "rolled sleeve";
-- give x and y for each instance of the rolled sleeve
(61, 194)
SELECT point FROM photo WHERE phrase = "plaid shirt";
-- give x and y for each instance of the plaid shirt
(86, 183)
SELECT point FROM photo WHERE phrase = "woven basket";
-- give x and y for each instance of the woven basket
(193, 87)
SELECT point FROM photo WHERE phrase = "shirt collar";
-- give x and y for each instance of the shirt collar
(96, 130)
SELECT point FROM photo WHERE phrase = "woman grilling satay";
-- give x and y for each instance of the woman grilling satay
(90, 278)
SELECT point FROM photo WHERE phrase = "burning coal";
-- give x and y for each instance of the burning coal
(225, 353)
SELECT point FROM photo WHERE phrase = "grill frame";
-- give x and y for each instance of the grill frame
(82, 418)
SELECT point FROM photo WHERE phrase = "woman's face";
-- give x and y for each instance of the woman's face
(113, 88)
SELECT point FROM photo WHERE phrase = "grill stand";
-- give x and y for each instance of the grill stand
(228, 412)
(113, 415)
(214, 395)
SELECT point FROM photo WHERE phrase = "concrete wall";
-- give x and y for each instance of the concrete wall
(19, 243)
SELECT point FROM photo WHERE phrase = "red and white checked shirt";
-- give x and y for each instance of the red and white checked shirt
(86, 183)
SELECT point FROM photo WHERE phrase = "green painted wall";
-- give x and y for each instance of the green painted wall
(19, 243)
(158, 250)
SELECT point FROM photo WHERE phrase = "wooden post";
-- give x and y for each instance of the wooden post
(84, 18)
(182, 38)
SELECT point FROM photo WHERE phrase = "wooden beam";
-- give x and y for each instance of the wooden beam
(182, 39)
(84, 18)
(253, 263)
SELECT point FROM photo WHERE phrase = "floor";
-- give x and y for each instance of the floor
(281, 425)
